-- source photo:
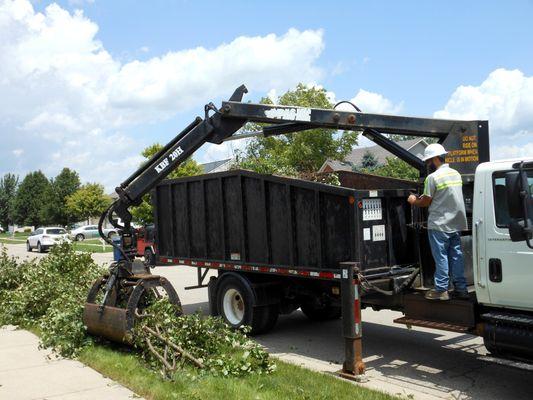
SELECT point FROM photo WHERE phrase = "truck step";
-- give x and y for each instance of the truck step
(508, 318)
(443, 326)
(453, 312)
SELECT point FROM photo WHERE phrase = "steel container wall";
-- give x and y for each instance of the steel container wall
(240, 216)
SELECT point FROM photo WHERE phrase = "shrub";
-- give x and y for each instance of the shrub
(221, 350)
(50, 293)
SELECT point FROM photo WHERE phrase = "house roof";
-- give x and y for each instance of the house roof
(355, 157)
(212, 166)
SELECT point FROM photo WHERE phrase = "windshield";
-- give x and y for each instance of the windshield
(56, 231)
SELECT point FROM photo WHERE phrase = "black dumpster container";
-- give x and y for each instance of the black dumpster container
(241, 216)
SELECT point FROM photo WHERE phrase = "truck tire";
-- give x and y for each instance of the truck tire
(235, 301)
(315, 312)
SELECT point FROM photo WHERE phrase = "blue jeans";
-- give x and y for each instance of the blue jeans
(448, 256)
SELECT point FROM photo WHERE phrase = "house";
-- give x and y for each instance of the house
(217, 166)
(354, 159)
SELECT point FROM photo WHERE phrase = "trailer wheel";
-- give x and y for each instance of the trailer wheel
(236, 304)
(316, 312)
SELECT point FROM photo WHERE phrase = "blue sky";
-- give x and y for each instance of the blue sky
(413, 57)
(412, 51)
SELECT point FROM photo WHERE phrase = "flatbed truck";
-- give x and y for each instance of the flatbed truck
(280, 244)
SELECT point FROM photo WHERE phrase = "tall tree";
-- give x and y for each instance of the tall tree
(30, 198)
(143, 214)
(88, 201)
(369, 162)
(302, 153)
(8, 191)
(396, 168)
(54, 209)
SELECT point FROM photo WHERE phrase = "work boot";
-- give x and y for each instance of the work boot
(461, 295)
(436, 295)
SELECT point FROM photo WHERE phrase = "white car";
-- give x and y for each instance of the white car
(90, 232)
(44, 238)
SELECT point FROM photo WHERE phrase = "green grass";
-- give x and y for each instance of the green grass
(90, 245)
(12, 241)
(20, 237)
(95, 247)
(17, 234)
(287, 382)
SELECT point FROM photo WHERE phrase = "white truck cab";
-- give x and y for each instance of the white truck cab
(503, 270)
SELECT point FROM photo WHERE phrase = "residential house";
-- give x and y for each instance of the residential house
(354, 159)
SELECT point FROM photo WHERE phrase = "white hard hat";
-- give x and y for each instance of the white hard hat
(434, 150)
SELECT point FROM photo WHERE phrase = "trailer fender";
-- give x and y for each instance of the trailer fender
(264, 293)
(256, 308)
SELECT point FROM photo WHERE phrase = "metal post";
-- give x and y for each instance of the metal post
(353, 367)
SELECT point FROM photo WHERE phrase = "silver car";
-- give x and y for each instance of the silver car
(90, 231)
(44, 238)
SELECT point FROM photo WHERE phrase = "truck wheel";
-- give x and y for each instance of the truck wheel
(236, 304)
(491, 347)
(315, 312)
(28, 247)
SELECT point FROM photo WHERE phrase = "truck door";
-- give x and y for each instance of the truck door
(509, 265)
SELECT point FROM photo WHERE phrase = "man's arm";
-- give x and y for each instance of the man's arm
(427, 196)
(421, 201)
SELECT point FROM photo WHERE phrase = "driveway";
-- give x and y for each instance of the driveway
(424, 363)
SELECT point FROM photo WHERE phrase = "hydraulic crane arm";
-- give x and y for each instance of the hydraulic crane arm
(234, 114)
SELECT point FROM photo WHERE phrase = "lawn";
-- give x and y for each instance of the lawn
(90, 245)
(287, 382)
(93, 246)
(20, 237)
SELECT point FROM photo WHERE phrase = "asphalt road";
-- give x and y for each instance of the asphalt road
(424, 363)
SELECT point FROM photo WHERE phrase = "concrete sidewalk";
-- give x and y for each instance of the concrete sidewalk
(29, 373)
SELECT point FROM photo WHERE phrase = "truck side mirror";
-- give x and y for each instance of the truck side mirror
(515, 202)
(520, 206)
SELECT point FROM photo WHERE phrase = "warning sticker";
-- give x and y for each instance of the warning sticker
(378, 233)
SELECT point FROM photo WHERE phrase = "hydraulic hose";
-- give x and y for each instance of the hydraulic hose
(101, 232)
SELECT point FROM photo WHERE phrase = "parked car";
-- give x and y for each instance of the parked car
(44, 238)
(146, 243)
(90, 231)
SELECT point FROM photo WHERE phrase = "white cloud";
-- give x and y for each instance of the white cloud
(369, 102)
(64, 97)
(505, 98)
(18, 152)
(372, 102)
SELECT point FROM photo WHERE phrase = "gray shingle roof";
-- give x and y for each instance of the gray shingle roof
(355, 157)
(210, 166)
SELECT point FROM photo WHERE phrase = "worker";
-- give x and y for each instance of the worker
(443, 194)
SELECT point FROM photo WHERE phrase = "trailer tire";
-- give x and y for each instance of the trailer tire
(325, 313)
(236, 303)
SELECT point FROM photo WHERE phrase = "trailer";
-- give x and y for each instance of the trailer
(279, 244)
